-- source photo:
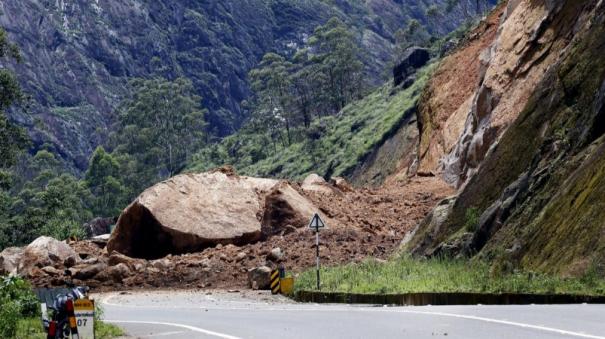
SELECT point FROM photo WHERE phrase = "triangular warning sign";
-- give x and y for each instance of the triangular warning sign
(316, 222)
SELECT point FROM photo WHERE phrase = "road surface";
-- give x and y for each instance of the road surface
(187, 315)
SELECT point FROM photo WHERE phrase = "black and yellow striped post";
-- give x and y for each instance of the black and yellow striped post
(275, 282)
(72, 319)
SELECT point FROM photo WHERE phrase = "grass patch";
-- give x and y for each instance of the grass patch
(31, 328)
(105, 330)
(407, 275)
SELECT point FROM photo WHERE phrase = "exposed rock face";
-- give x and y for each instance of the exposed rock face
(432, 226)
(539, 158)
(9, 260)
(413, 59)
(393, 158)
(191, 212)
(447, 100)
(45, 251)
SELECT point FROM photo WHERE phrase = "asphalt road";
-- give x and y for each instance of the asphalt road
(258, 315)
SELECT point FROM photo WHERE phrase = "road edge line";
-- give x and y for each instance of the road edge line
(191, 328)
(505, 322)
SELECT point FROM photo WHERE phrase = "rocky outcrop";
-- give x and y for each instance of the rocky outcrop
(191, 212)
(413, 59)
(46, 251)
(447, 99)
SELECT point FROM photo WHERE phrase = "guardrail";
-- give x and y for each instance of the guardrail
(422, 299)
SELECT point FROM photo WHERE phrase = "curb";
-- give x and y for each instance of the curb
(423, 299)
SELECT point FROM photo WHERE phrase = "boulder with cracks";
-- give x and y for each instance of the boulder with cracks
(191, 212)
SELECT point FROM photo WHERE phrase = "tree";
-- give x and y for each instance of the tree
(51, 203)
(160, 126)
(433, 15)
(103, 179)
(307, 81)
(271, 84)
(334, 48)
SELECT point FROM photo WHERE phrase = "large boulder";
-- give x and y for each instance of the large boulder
(46, 251)
(9, 260)
(284, 206)
(191, 212)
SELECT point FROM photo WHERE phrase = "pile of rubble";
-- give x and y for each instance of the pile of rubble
(220, 230)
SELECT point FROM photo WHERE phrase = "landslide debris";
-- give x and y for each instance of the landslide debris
(361, 223)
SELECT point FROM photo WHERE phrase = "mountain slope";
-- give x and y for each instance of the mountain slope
(78, 55)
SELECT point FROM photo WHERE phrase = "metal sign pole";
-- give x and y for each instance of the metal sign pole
(317, 254)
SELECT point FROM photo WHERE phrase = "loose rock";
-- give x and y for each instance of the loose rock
(259, 278)
(9, 260)
(46, 251)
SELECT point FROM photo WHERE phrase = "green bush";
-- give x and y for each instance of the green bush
(9, 316)
(17, 290)
(472, 219)
(17, 301)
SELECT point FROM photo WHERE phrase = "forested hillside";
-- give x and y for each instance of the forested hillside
(78, 55)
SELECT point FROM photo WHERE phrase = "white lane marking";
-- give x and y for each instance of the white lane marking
(505, 322)
(164, 334)
(190, 328)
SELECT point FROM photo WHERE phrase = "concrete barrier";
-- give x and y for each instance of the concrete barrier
(421, 299)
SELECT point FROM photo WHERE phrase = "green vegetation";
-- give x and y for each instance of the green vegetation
(406, 275)
(40, 199)
(12, 138)
(36, 197)
(318, 81)
(472, 219)
(160, 126)
(331, 145)
(16, 301)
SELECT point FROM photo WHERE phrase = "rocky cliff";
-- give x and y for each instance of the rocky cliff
(78, 55)
(521, 136)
